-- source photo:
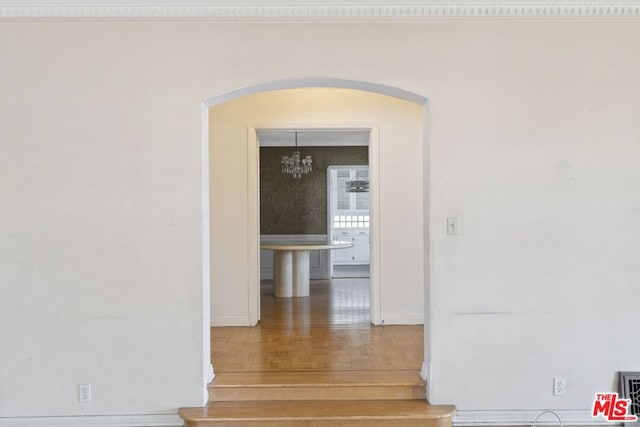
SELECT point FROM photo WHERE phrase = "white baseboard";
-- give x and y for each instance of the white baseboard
(402, 319)
(230, 321)
(424, 372)
(210, 374)
(525, 418)
(462, 418)
(167, 420)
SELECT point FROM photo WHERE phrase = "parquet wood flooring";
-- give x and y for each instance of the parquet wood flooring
(317, 385)
(317, 361)
(328, 331)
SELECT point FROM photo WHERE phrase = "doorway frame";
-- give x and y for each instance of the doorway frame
(253, 167)
(208, 373)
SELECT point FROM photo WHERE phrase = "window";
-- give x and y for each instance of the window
(351, 221)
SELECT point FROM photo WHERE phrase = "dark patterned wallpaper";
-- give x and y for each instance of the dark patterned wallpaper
(299, 206)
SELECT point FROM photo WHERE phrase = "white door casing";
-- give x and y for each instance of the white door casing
(253, 257)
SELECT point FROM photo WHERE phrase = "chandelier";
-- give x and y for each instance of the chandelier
(296, 165)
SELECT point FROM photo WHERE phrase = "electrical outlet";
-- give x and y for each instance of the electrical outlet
(84, 392)
(559, 386)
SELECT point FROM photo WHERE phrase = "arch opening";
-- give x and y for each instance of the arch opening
(208, 370)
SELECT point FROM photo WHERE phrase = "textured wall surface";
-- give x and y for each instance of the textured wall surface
(299, 206)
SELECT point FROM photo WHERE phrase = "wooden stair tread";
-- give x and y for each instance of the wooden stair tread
(318, 379)
(317, 409)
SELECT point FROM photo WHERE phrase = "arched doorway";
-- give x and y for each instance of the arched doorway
(251, 223)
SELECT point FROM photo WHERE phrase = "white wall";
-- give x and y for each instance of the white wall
(100, 223)
(400, 212)
(100, 250)
(540, 164)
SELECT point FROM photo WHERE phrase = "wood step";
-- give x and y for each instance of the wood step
(361, 413)
(327, 385)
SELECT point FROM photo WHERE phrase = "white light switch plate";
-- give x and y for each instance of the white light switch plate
(452, 226)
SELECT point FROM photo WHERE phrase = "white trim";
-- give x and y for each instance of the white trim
(253, 226)
(375, 258)
(329, 266)
(461, 418)
(426, 243)
(230, 321)
(425, 374)
(374, 171)
(166, 420)
(210, 376)
(317, 82)
(424, 371)
(311, 9)
(402, 319)
(205, 224)
(581, 417)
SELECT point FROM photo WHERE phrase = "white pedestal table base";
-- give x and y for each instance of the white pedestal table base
(291, 266)
(291, 273)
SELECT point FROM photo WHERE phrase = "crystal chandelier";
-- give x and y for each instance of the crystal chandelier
(295, 165)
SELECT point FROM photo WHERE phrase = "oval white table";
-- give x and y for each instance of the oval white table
(291, 265)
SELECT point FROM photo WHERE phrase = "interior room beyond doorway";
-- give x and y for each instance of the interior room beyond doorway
(309, 207)
(397, 267)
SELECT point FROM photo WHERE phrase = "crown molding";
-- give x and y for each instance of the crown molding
(311, 9)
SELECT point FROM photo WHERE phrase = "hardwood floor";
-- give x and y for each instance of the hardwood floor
(376, 413)
(328, 331)
(317, 361)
